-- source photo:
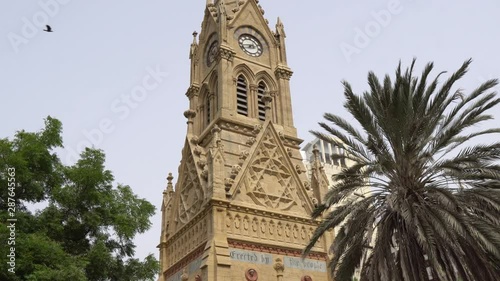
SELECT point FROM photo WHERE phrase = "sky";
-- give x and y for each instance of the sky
(84, 73)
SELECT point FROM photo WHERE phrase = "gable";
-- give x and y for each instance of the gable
(190, 190)
(269, 179)
(252, 14)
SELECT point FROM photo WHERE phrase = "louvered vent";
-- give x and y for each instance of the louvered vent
(241, 96)
(260, 101)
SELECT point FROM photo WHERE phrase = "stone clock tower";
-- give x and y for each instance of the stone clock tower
(241, 204)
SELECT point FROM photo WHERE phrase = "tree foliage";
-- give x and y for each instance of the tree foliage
(86, 228)
(433, 206)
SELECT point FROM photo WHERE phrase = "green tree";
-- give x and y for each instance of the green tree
(434, 201)
(86, 229)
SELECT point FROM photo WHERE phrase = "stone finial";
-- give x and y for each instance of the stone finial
(170, 186)
(194, 47)
(195, 34)
(317, 159)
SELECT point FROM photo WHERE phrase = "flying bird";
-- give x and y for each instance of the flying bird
(49, 29)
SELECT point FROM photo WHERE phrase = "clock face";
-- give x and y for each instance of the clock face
(212, 53)
(250, 45)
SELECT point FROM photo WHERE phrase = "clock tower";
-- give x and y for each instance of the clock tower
(240, 209)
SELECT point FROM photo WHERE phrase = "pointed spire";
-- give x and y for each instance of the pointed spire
(280, 27)
(280, 37)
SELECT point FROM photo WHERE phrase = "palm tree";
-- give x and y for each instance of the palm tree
(433, 210)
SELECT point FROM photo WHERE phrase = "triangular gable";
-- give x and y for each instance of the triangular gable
(208, 26)
(190, 190)
(255, 9)
(268, 177)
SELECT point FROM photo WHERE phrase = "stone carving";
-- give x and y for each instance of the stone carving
(281, 135)
(228, 183)
(192, 91)
(251, 141)
(268, 180)
(299, 169)
(204, 174)
(257, 129)
(202, 163)
(224, 53)
(289, 151)
(279, 266)
(185, 275)
(267, 229)
(186, 241)
(235, 170)
(283, 73)
(307, 185)
(243, 157)
(192, 193)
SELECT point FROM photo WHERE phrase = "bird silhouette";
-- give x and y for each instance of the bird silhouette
(49, 29)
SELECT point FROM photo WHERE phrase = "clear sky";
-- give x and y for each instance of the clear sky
(101, 51)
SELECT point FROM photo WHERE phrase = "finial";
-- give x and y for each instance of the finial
(195, 34)
(317, 160)
(170, 186)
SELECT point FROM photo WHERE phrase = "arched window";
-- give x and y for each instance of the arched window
(241, 96)
(216, 96)
(208, 110)
(261, 105)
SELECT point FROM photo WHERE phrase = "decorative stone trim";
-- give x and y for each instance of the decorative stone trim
(283, 73)
(226, 54)
(192, 91)
(274, 250)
